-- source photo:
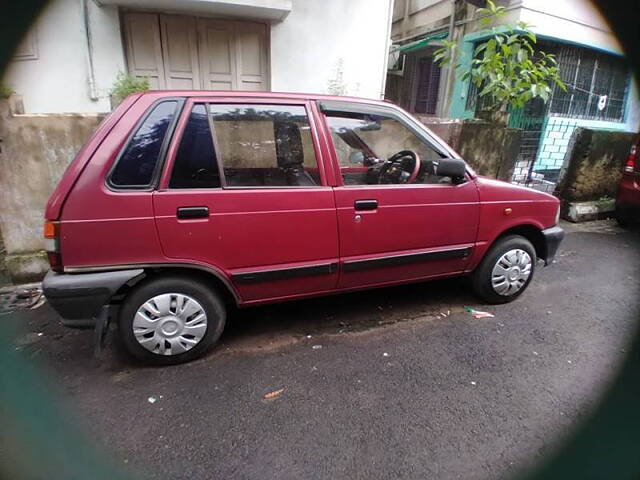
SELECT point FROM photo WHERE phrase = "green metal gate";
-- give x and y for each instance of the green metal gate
(531, 119)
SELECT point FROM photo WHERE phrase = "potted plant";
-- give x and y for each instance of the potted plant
(505, 67)
(125, 85)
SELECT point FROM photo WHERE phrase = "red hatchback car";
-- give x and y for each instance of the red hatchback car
(628, 197)
(185, 203)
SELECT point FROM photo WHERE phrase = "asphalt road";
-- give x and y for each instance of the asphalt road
(393, 383)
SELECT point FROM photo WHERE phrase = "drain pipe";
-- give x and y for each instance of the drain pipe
(93, 92)
(387, 45)
(450, 69)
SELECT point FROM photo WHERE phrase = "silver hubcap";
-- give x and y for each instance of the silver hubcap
(170, 324)
(511, 272)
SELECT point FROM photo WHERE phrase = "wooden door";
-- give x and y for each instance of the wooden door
(217, 54)
(180, 52)
(144, 50)
(251, 56)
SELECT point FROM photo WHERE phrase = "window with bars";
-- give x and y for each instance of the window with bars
(596, 82)
(428, 81)
(594, 79)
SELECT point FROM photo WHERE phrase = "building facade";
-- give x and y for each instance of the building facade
(601, 91)
(64, 70)
(70, 58)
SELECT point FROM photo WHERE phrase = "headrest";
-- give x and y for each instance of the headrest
(288, 144)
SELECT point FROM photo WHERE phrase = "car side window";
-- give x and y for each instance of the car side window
(364, 143)
(138, 162)
(196, 165)
(264, 145)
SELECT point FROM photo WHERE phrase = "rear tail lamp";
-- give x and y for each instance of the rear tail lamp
(52, 245)
(632, 159)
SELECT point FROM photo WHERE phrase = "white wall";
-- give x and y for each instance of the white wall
(308, 46)
(578, 21)
(58, 79)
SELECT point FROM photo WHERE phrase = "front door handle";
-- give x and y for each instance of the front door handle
(192, 212)
(365, 204)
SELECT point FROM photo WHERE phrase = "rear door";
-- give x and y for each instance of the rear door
(392, 232)
(245, 192)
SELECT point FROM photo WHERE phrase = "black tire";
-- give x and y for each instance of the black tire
(205, 295)
(481, 276)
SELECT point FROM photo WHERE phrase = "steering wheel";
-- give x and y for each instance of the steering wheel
(401, 167)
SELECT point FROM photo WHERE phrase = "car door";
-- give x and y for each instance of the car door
(391, 232)
(244, 193)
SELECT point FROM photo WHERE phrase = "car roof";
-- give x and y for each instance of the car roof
(260, 95)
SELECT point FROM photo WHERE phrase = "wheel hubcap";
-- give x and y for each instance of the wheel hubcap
(170, 324)
(511, 272)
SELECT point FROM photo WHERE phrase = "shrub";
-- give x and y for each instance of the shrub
(126, 84)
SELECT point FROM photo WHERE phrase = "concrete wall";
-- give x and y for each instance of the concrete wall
(489, 148)
(36, 150)
(593, 166)
(320, 38)
(56, 78)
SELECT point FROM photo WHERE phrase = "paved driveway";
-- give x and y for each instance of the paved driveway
(393, 383)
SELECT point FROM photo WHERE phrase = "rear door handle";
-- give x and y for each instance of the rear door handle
(365, 204)
(192, 212)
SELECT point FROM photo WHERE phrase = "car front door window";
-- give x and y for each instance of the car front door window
(369, 146)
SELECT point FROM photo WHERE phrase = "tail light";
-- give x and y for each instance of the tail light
(52, 245)
(632, 159)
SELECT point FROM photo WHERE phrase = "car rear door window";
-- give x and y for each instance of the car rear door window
(264, 145)
(195, 164)
(138, 162)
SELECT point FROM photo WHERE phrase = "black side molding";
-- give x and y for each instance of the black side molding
(403, 259)
(285, 273)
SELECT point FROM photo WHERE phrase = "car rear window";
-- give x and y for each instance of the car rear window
(137, 163)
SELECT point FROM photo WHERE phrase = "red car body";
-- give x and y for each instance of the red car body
(628, 196)
(274, 243)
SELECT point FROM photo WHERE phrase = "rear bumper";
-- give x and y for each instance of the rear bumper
(78, 298)
(552, 238)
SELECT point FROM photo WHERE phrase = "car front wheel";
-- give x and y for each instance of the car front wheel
(171, 320)
(506, 270)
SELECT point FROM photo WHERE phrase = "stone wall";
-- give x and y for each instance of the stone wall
(593, 164)
(34, 152)
(489, 148)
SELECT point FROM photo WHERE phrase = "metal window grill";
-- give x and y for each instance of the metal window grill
(597, 84)
(427, 88)
(592, 78)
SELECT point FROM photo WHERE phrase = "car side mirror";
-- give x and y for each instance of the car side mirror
(450, 167)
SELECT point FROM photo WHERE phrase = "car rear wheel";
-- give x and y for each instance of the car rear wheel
(171, 320)
(506, 270)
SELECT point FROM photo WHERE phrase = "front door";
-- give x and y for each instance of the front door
(396, 224)
(244, 192)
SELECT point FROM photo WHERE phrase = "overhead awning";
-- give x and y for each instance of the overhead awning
(423, 42)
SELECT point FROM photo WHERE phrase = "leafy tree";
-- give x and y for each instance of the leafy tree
(506, 68)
